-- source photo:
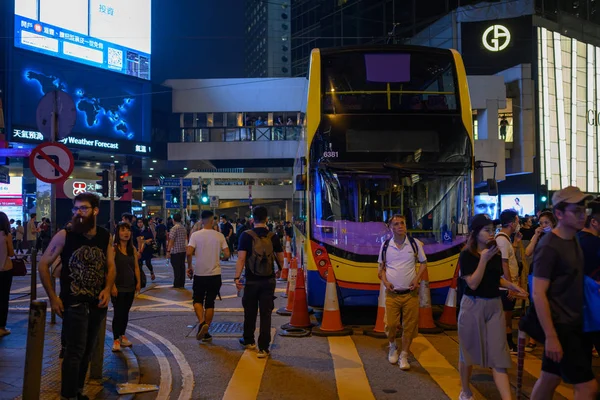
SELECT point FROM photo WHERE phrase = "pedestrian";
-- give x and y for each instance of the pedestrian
(19, 234)
(510, 266)
(145, 242)
(227, 231)
(558, 299)
(216, 226)
(207, 245)
(258, 249)
(32, 233)
(161, 237)
(481, 318)
(176, 251)
(6, 252)
(127, 284)
(398, 259)
(87, 275)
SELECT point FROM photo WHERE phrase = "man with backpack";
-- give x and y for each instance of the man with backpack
(398, 260)
(258, 250)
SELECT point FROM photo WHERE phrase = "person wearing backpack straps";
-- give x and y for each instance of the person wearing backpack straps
(258, 250)
(398, 260)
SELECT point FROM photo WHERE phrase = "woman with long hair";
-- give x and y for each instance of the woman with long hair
(6, 252)
(127, 284)
(482, 340)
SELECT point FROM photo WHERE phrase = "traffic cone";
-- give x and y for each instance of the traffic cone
(331, 324)
(300, 318)
(285, 271)
(448, 318)
(291, 289)
(426, 324)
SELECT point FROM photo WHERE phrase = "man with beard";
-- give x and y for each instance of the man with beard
(87, 275)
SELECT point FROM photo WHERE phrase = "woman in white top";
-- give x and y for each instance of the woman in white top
(20, 235)
(6, 251)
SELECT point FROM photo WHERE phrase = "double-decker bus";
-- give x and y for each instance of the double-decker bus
(388, 130)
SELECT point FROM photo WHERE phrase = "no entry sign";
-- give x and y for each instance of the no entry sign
(52, 162)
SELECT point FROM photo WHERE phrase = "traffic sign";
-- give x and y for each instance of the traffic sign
(214, 201)
(175, 182)
(52, 162)
(62, 104)
(170, 203)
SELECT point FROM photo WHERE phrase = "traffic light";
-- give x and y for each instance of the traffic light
(204, 199)
(103, 183)
(175, 197)
(543, 203)
(121, 178)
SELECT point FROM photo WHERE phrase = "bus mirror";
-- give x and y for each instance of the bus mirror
(301, 182)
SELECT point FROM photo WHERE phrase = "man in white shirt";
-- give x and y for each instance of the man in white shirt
(32, 232)
(510, 225)
(207, 244)
(398, 259)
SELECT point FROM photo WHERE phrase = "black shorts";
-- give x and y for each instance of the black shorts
(576, 364)
(206, 289)
(507, 304)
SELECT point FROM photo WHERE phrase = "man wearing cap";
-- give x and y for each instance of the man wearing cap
(558, 299)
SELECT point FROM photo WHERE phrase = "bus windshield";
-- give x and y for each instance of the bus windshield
(350, 208)
(412, 81)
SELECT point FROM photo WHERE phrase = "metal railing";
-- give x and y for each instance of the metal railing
(237, 134)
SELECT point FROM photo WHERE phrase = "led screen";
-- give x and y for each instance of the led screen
(109, 34)
(485, 204)
(523, 204)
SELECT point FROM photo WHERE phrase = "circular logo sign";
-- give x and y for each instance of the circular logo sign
(496, 38)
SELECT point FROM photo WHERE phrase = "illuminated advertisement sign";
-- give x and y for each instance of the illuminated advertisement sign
(14, 189)
(496, 38)
(113, 113)
(109, 34)
(74, 186)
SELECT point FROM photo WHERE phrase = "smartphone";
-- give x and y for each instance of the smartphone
(491, 243)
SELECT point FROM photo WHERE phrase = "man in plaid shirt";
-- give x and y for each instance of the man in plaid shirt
(176, 251)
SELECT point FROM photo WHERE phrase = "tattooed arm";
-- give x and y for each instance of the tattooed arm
(50, 255)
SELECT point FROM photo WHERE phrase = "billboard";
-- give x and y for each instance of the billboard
(485, 204)
(523, 204)
(14, 189)
(113, 113)
(109, 34)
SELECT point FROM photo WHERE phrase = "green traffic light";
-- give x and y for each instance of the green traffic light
(543, 198)
(204, 199)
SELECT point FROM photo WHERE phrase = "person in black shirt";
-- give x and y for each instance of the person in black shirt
(259, 291)
(145, 242)
(481, 319)
(161, 236)
(227, 231)
(87, 275)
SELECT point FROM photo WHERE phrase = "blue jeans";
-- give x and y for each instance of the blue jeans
(84, 321)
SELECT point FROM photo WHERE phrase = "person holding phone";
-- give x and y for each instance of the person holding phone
(481, 318)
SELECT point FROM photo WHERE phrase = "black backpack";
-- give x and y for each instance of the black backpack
(260, 262)
(412, 242)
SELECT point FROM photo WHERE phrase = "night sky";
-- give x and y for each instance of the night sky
(197, 39)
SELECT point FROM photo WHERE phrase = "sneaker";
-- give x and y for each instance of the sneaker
(404, 365)
(249, 346)
(393, 353)
(116, 345)
(4, 332)
(202, 330)
(207, 337)
(263, 353)
(464, 396)
(530, 347)
(514, 350)
(125, 342)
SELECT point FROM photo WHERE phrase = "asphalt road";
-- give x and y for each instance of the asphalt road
(162, 328)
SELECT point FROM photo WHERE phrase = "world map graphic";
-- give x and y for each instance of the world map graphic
(95, 108)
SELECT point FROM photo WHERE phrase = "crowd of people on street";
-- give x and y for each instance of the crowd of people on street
(550, 261)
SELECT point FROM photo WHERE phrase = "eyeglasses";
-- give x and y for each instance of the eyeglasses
(83, 209)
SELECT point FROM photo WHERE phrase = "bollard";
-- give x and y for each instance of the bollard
(33, 274)
(97, 361)
(35, 350)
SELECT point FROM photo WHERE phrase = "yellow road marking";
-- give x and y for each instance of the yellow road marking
(350, 376)
(436, 365)
(533, 366)
(247, 377)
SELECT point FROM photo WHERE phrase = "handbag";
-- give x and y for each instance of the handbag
(19, 268)
(529, 323)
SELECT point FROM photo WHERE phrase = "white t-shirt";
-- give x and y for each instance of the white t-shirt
(208, 244)
(508, 253)
(401, 266)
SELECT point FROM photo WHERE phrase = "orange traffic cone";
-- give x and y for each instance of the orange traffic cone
(448, 318)
(426, 324)
(331, 324)
(291, 289)
(285, 271)
(300, 317)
